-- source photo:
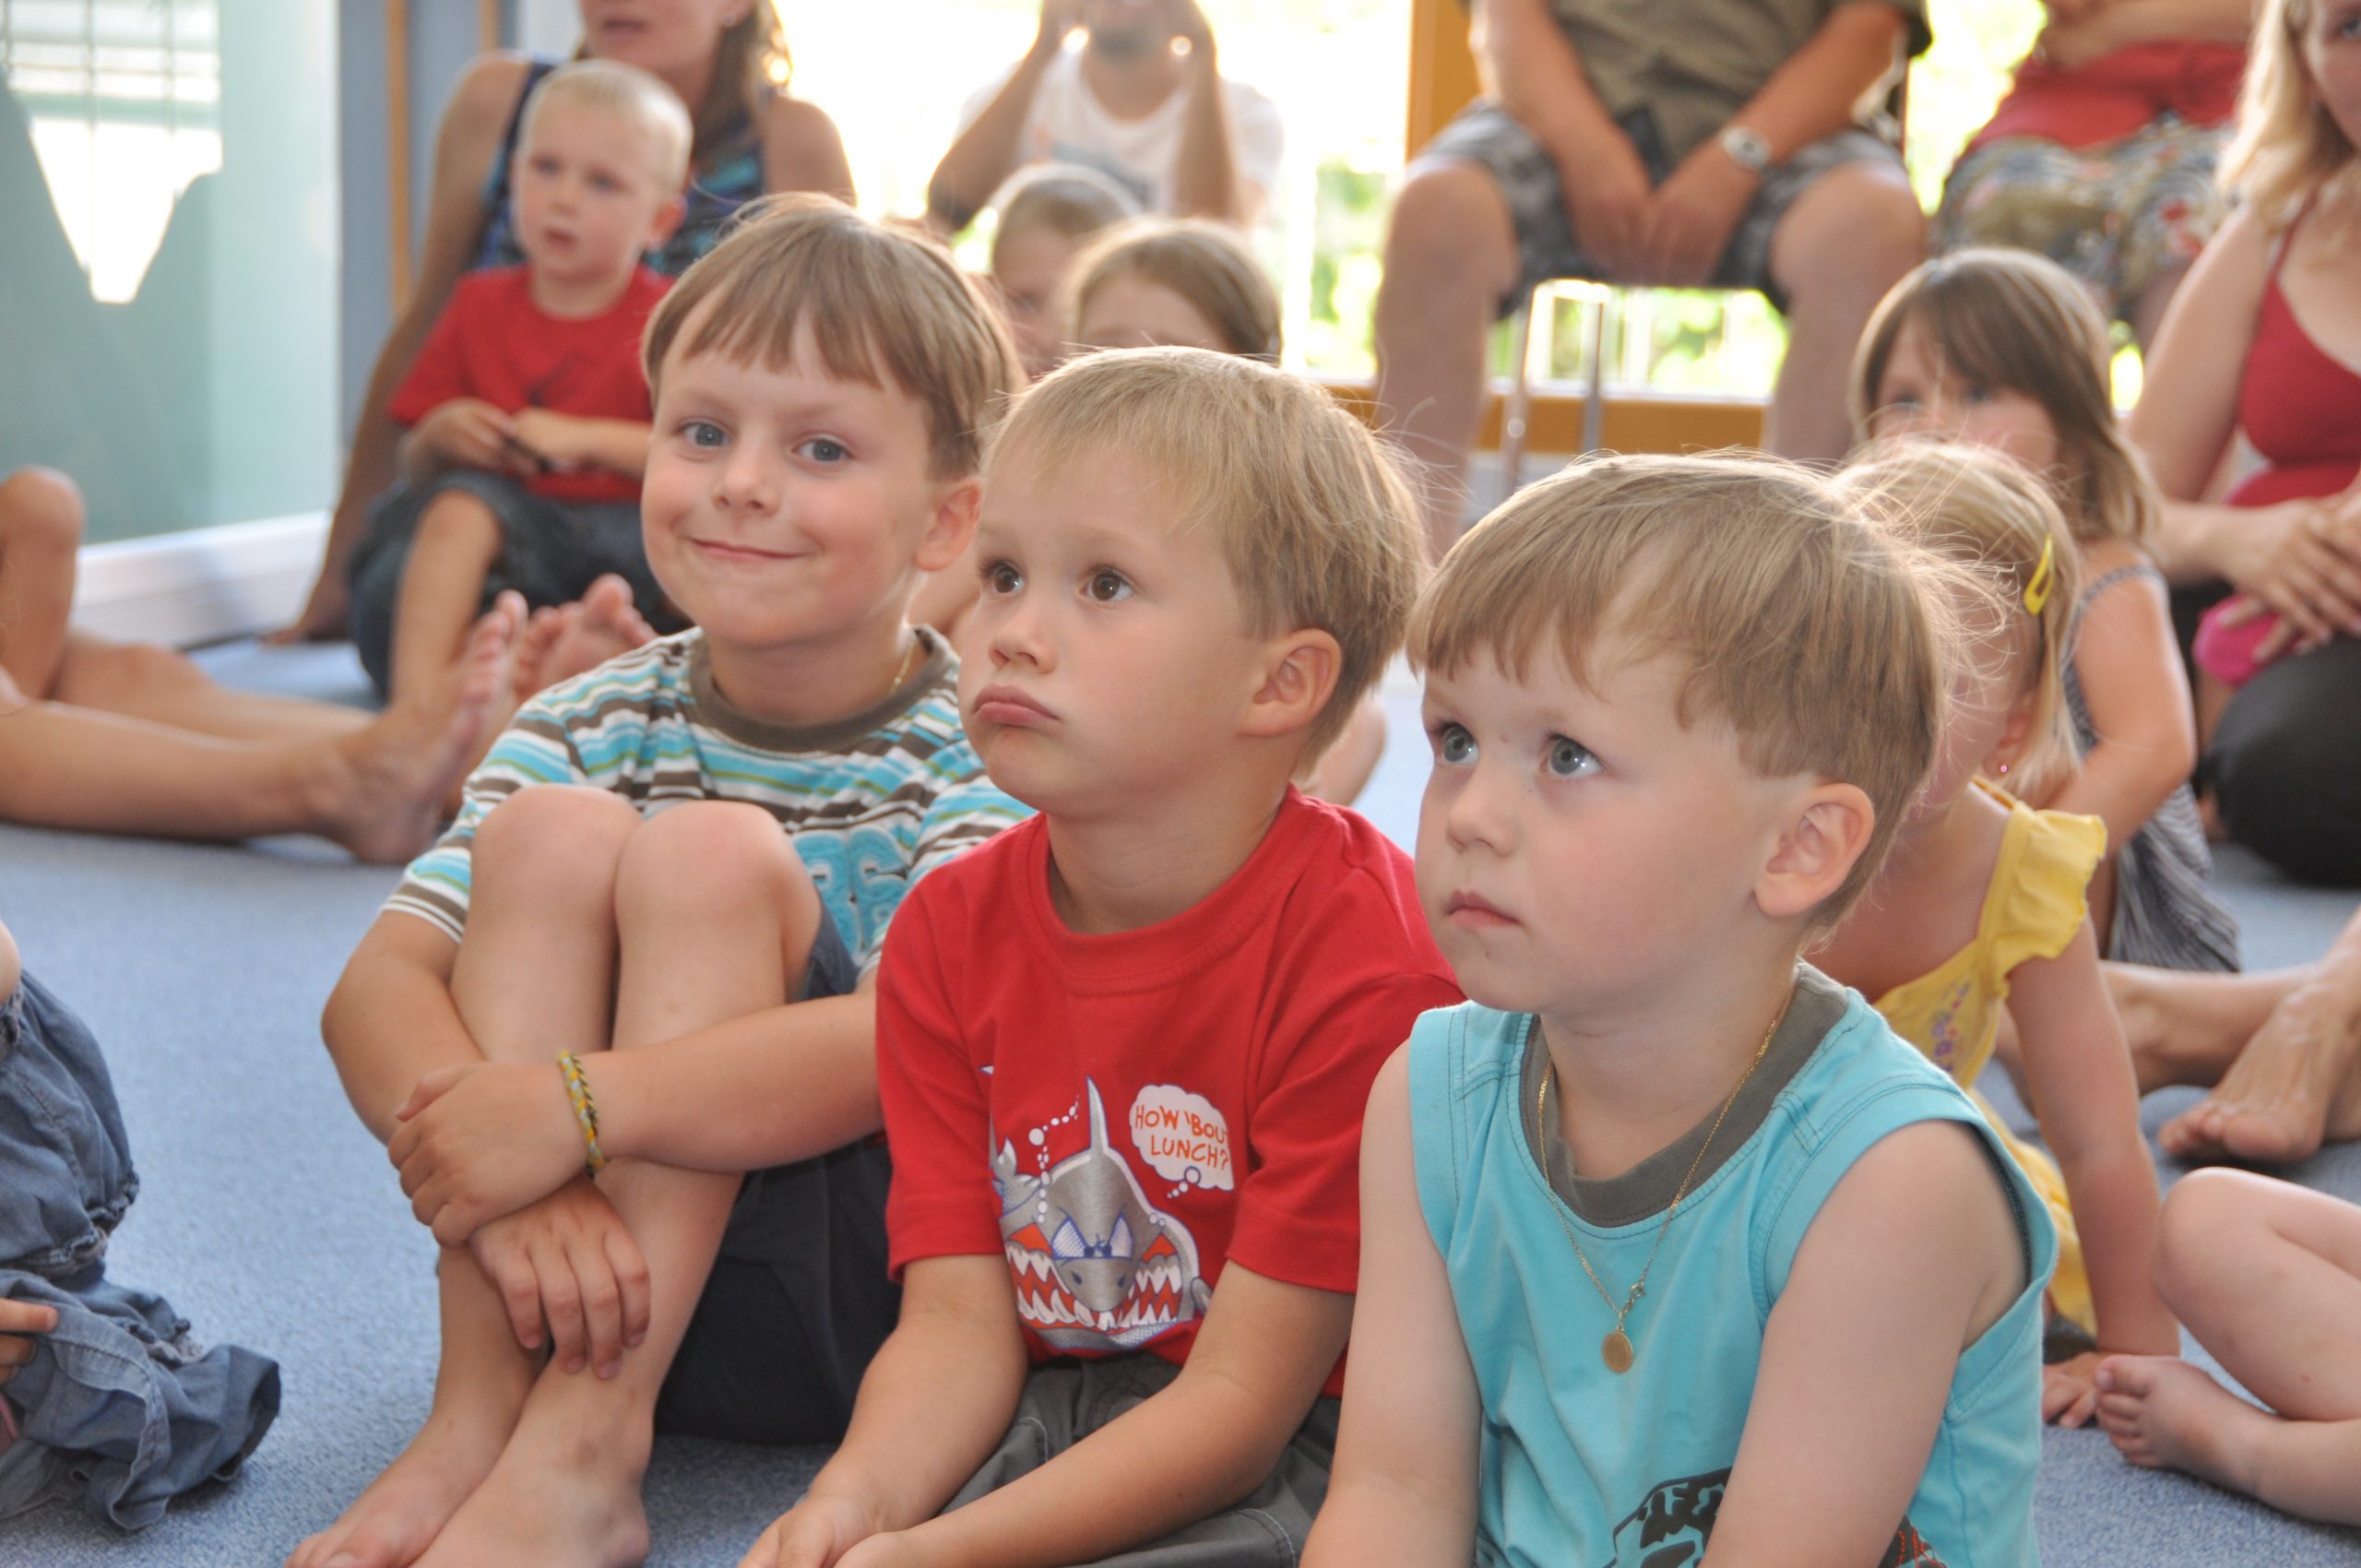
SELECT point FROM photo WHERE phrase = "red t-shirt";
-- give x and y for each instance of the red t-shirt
(1118, 1116)
(2118, 94)
(492, 342)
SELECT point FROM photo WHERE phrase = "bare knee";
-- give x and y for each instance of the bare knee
(1450, 233)
(2209, 1215)
(1850, 237)
(715, 860)
(562, 839)
(40, 509)
(456, 523)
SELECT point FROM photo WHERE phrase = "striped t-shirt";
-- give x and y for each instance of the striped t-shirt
(872, 803)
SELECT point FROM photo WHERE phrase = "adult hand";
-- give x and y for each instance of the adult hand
(1607, 197)
(816, 1533)
(1058, 19)
(476, 1142)
(2069, 1389)
(1693, 215)
(467, 432)
(2069, 43)
(2302, 559)
(569, 1262)
(2071, 10)
(20, 1322)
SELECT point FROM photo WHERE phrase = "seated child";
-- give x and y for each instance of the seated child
(1173, 281)
(2267, 1275)
(690, 854)
(1981, 905)
(105, 737)
(1666, 1235)
(2002, 349)
(1123, 1048)
(104, 1399)
(1047, 213)
(526, 410)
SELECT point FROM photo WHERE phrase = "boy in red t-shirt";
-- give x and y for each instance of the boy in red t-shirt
(1123, 1048)
(528, 413)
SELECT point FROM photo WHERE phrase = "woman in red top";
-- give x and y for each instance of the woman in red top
(2266, 337)
(2102, 156)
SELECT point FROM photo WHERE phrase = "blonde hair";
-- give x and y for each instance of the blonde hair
(1065, 198)
(1317, 525)
(880, 304)
(2288, 147)
(2018, 321)
(628, 93)
(1817, 639)
(1988, 515)
(1206, 264)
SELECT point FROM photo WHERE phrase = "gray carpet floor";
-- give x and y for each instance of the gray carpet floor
(270, 1219)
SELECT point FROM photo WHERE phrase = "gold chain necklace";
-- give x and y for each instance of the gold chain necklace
(1615, 1349)
(902, 670)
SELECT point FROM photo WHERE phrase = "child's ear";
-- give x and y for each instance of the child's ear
(1817, 851)
(1297, 680)
(951, 526)
(2016, 738)
(667, 219)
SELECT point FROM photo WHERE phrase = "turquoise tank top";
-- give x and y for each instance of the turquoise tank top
(1581, 1466)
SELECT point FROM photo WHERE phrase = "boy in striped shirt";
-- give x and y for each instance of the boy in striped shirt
(689, 854)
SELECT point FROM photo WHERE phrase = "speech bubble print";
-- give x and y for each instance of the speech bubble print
(1183, 1137)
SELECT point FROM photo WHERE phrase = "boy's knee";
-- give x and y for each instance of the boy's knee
(555, 830)
(456, 519)
(40, 507)
(710, 855)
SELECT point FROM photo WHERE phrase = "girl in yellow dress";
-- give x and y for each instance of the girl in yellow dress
(1981, 905)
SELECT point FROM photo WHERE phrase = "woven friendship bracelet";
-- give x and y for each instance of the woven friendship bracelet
(586, 1110)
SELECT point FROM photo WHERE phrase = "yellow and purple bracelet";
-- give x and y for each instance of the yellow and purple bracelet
(585, 1112)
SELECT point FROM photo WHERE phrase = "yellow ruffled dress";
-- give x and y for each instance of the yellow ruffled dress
(2034, 904)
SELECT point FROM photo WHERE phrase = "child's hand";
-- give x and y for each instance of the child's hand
(558, 440)
(569, 1262)
(484, 1140)
(19, 1321)
(466, 433)
(2069, 1389)
(818, 1532)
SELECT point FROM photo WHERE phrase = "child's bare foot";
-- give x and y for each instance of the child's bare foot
(541, 632)
(2296, 1083)
(605, 623)
(565, 1500)
(406, 1507)
(2162, 1413)
(383, 793)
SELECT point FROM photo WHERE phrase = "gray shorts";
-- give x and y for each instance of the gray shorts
(1485, 136)
(550, 550)
(1066, 1401)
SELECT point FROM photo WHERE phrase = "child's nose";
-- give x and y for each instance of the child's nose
(1018, 632)
(749, 481)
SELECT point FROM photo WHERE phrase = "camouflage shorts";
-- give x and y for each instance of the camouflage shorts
(2118, 217)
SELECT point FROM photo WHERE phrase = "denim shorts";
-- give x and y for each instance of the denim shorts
(1483, 135)
(799, 1299)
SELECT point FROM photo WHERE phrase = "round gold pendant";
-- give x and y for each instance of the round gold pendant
(1615, 1351)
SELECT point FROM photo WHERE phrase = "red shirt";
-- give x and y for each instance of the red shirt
(2116, 94)
(1119, 1115)
(492, 342)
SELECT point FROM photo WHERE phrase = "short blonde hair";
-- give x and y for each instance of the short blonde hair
(1317, 524)
(2018, 321)
(629, 94)
(1068, 199)
(881, 304)
(1813, 636)
(1206, 264)
(1987, 515)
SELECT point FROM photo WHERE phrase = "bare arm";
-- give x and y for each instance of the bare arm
(2131, 672)
(982, 155)
(1815, 92)
(571, 442)
(1911, 1257)
(1532, 71)
(1403, 1490)
(464, 149)
(2078, 1075)
(1206, 182)
(390, 1019)
(803, 150)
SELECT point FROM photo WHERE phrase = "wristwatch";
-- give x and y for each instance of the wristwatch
(1746, 147)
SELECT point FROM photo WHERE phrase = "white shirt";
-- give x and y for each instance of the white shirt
(1068, 125)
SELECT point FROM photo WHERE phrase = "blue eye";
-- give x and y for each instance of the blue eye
(1454, 745)
(1569, 759)
(1002, 577)
(704, 433)
(821, 449)
(1107, 586)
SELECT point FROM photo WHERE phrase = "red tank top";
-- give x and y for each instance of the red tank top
(2299, 405)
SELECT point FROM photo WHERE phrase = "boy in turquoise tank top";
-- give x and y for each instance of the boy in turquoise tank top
(1665, 1234)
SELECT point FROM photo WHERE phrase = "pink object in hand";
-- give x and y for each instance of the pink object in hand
(2226, 650)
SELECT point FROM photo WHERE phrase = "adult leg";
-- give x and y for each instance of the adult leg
(41, 532)
(374, 787)
(1451, 257)
(542, 910)
(2267, 1276)
(2293, 1082)
(451, 556)
(2187, 1028)
(1847, 239)
(715, 914)
(2285, 765)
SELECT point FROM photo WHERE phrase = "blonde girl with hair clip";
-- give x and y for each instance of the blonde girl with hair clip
(2265, 338)
(1981, 905)
(2003, 349)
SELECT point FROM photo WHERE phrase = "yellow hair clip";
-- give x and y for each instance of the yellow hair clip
(2045, 578)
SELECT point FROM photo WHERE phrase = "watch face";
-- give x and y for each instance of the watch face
(1747, 149)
